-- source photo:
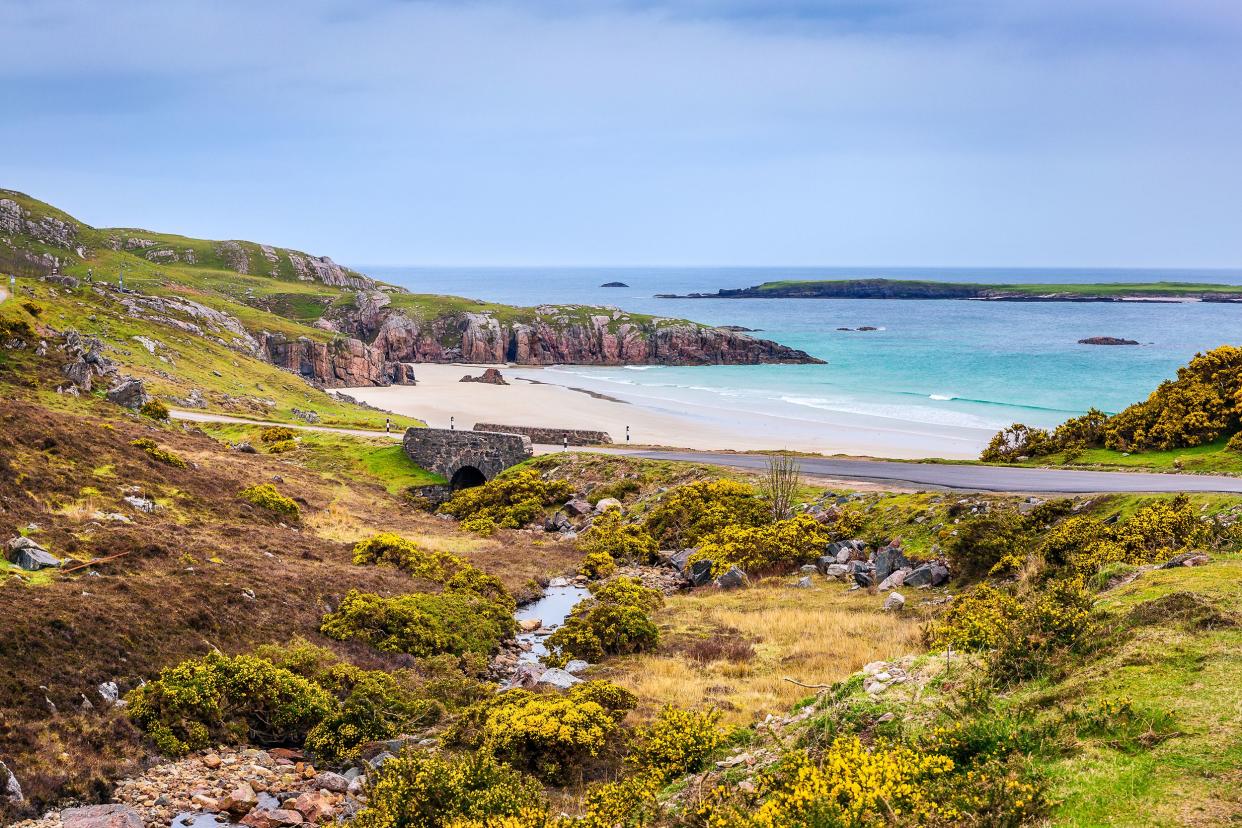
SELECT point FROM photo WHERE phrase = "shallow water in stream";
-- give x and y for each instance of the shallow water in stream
(552, 609)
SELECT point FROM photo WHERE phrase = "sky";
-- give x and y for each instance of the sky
(1101, 133)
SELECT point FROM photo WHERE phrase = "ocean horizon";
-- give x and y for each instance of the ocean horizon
(941, 363)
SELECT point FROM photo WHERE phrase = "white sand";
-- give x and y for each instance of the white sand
(440, 395)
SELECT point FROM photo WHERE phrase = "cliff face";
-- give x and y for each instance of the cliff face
(558, 336)
(341, 363)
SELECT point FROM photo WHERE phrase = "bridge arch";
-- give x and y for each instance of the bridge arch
(465, 458)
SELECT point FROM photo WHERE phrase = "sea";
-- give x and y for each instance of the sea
(939, 362)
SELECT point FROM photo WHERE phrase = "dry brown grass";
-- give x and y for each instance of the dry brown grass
(815, 636)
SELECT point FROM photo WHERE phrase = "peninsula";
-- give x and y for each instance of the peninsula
(922, 289)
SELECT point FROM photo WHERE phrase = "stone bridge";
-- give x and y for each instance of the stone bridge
(465, 458)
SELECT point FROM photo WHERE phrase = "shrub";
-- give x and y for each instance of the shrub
(421, 624)
(416, 790)
(611, 536)
(686, 514)
(509, 501)
(158, 454)
(677, 742)
(1235, 443)
(155, 409)
(597, 564)
(375, 706)
(265, 496)
(31, 308)
(1202, 404)
(615, 621)
(849, 785)
(981, 542)
(779, 545)
(215, 699)
(1015, 442)
(1024, 630)
(618, 489)
(282, 447)
(1086, 545)
(390, 549)
(276, 434)
(469, 580)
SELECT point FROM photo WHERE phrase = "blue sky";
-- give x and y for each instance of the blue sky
(614, 132)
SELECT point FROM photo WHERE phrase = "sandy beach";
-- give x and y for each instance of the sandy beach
(538, 397)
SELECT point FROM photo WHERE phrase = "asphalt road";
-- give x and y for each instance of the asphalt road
(972, 478)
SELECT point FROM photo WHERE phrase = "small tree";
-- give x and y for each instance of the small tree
(780, 484)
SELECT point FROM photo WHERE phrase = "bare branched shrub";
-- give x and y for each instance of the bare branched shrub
(780, 484)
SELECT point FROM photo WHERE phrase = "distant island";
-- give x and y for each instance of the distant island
(614, 284)
(915, 289)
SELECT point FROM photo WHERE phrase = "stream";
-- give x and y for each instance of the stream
(552, 609)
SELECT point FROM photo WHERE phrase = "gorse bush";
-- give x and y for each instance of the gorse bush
(554, 736)
(421, 624)
(686, 514)
(677, 742)
(610, 535)
(281, 447)
(416, 790)
(295, 693)
(155, 409)
(1156, 531)
(1203, 404)
(276, 434)
(508, 501)
(160, 455)
(596, 565)
(779, 545)
(614, 621)
(390, 549)
(221, 699)
(265, 496)
(618, 489)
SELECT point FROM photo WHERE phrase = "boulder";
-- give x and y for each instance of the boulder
(701, 573)
(576, 666)
(863, 579)
(28, 555)
(245, 448)
(823, 562)
(558, 678)
(577, 507)
(140, 503)
(491, 376)
(527, 674)
(272, 818)
(607, 503)
(129, 392)
(558, 523)
(677, 558)
(927, 575)
(100, 816)
(894, 602)
(887, 561)
(240, 800)
(732, 579)
(1185, 559)
(10, 788)
(529, 625)
(894, 580)
(803, 583)
(329, 781)
(836, 570)
(315, 806)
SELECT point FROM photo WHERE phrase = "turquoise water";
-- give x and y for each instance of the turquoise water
(953, 363)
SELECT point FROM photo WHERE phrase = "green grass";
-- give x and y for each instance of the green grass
(1209, 458)
(343, 456)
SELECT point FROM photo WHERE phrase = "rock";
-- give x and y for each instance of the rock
(140, 503)
(245, 448)
(28, 555)
(920, 576)
(614, 285)
(940, 573)
(272, 818)
(527, 675)
(305, 416)
(212, 761)
(315, 806)
(1106, 340)
(558, 523)
(1185, 559)
(887, 561)
(893, 581)
(607, 503)
(239, 801)
(732, 579)
(863, 579)
(808, 569)
(101, 816)
(894, 602)
(577, 507)
(110, 693)
(10, 787)
(129, 392)
(529, 625)
(491, 376)
(701, 573)
(677, 558)
(576, 666)
(803, 583)
(556, 677)
(837, 570)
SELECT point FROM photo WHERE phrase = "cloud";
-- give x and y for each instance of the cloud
(625, 131)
